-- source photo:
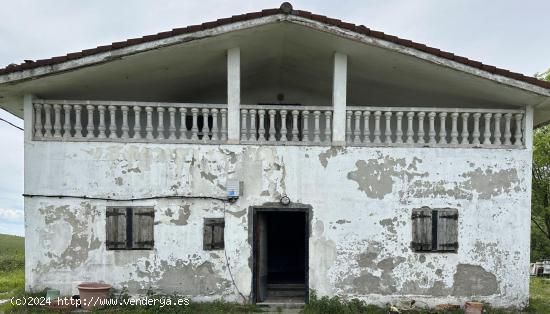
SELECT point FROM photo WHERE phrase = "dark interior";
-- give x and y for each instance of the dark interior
(281, 253)
(286, 247)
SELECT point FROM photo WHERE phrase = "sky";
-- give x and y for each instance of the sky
(509, 34)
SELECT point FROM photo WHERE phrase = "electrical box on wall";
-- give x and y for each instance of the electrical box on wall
(234, 188)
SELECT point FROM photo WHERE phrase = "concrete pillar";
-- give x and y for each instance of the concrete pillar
(28, 127)
(339, 92)
(233, 94)
(28, 117)
(528, 126)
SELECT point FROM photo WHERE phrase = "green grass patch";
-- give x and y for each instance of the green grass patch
(11, 283)
(539, 290)
(336, 305)
(11, 245)
(12, 265)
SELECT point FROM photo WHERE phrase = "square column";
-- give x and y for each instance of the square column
(233, 94)
(339, 93)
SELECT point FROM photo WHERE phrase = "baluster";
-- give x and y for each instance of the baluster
(101, 127)
(328, 126)
(38, 120)
(518, 136)
(421, 139)
(244, 131)
(67, 124)
(137, 122)
(57, 121)
(149, 125)
(172, 125)
(497, 135)
(261, 129)
(507, 132)
(366, 127)
(442, 135)
(48, 122)
(387, 132)
(398, 130)
(205, 129)
(305, 126)
(377, 115)
(125, 128)
(112, 123)
(214, 130)
(224, 124)
(194, 125)
(410, 131)
(316, 130)
(487, 129)
(295, 131)
(431, 131)
(160, 126)
(183, 123)
(283, 125)
(77, 123)
(90, 127)
(356, 135)
(454, 128)
(272, 134)
(252, 131)
(465, 134)
(476, 134)
(348, 126)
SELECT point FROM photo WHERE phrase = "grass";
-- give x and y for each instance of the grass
(12, 283)
(12, 264)
(539, 290)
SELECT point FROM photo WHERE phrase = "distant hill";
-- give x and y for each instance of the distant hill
(11, 245)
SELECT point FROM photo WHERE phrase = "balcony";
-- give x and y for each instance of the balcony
(148, 122)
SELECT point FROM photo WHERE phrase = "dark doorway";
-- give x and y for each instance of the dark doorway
(280, 255)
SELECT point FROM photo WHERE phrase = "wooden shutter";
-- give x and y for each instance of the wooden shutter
(213, 234)
(447, 233)
(142, 228)
(116, 228)
(422, 229)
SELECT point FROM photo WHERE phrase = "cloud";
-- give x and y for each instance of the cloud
(11, 215)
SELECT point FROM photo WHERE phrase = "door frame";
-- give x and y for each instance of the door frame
(277, 207)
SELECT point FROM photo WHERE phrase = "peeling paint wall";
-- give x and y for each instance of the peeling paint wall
(361, 201)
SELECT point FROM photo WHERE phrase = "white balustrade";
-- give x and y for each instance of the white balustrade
(119, 121)
(286, 125)
(434, 127)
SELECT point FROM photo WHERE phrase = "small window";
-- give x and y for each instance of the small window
(130, 228)
(434, 230)
(213, 234)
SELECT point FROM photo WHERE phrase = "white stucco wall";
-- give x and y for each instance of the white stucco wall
(361, 227)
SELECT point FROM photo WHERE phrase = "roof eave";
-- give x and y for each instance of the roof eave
(345, 30)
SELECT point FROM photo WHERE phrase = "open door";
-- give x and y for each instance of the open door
(280, 255)
(261, 258)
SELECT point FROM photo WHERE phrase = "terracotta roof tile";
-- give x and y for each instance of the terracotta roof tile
(463, 60)
(268, 12)
(376, 34)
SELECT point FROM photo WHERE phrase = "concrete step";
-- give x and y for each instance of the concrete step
(286, 293)
(274, 305)
(286, 286)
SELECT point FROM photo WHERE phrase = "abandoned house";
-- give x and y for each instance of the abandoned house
(263, 156)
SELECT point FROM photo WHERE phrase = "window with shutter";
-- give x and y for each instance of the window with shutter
(447, 233)
(142, 231)
(213, 234)
(116, 228)
(434, 230)
(130, 228)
